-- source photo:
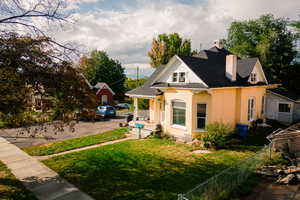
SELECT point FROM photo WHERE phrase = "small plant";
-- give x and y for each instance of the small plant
(217, 135)
(276, 159)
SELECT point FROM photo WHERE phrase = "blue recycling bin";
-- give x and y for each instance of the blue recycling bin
(139, 126)
(242, 130)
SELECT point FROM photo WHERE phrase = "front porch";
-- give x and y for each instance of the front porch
(146, 120)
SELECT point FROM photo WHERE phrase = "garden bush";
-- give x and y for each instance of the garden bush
(217, 135)
(22, 119)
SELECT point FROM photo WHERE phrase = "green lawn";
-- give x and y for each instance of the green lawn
(65, 145)
(148, 169)
(11, 188)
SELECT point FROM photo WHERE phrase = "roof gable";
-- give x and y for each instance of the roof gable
(178, 66)
(101, 85)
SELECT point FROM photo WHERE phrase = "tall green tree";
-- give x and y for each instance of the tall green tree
(28, 66)
(267, 38)
(164, 47)
(98, 67)
(133, 83)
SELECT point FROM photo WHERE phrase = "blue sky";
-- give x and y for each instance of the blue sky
(125, 28)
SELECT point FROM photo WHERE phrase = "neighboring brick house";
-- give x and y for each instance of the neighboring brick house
(104, 93)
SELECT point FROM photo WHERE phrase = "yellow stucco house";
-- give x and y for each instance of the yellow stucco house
(213, 86)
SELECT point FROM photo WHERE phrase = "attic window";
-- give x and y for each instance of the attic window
(182, 77)
(174, 79)
(253, 77)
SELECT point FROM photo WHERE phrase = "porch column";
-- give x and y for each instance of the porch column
(136, 108)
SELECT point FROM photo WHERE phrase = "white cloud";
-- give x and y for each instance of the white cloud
(126, 35)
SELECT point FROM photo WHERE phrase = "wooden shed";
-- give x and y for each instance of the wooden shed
(104, 93)
(287, 139)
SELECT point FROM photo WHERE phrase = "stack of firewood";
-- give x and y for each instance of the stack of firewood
(283, 175)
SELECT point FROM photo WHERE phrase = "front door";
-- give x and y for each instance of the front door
(104, 99)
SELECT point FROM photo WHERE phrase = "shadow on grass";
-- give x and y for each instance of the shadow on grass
(255, 140)
(119, 173)
(11, 188)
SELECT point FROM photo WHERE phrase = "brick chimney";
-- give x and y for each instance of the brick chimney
(219, 43)
(231, 67)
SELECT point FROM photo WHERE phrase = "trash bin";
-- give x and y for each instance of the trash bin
(242, 130)
(129, 118)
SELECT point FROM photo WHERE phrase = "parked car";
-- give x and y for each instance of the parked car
(121, 106)
(87, 115)
(106, 111)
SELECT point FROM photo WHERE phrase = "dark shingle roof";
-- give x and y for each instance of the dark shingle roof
(209, 66)
(245, 67)
(293, 95)
(170, 85)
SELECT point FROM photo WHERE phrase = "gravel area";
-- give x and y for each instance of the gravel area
(35, 135)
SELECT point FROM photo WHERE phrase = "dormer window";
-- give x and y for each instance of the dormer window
(182, 77)
(253, 77)
(174, 79)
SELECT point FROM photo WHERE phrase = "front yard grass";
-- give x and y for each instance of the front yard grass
(61, 146)
(11, 188)
(147, 169)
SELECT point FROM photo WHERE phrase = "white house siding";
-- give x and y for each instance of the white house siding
(296, 113)
(179, 66)
(259, 73)
(272, 108)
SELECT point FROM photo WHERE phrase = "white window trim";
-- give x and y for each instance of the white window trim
(179, 127)
(185, 77)
(177, 77)
(172, 123)
(200, 130)
(282, 102)
(253, 77)
(206, 114)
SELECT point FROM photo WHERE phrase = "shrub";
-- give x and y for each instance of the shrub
(22, 119)
(276, 159)
(217, 135)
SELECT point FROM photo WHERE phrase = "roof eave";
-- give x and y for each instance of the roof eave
(141, 96)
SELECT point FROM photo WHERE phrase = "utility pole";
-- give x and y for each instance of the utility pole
(137, 76)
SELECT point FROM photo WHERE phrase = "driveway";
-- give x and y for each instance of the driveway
(42, 134)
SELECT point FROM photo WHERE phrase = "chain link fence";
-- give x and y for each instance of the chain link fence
(221, 185)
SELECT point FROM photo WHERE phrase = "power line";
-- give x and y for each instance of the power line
(137, 76)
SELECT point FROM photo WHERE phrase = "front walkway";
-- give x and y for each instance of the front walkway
(82, 148)
(42, 181)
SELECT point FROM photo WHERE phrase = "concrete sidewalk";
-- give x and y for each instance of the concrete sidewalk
(82, 148)
(42, 181)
